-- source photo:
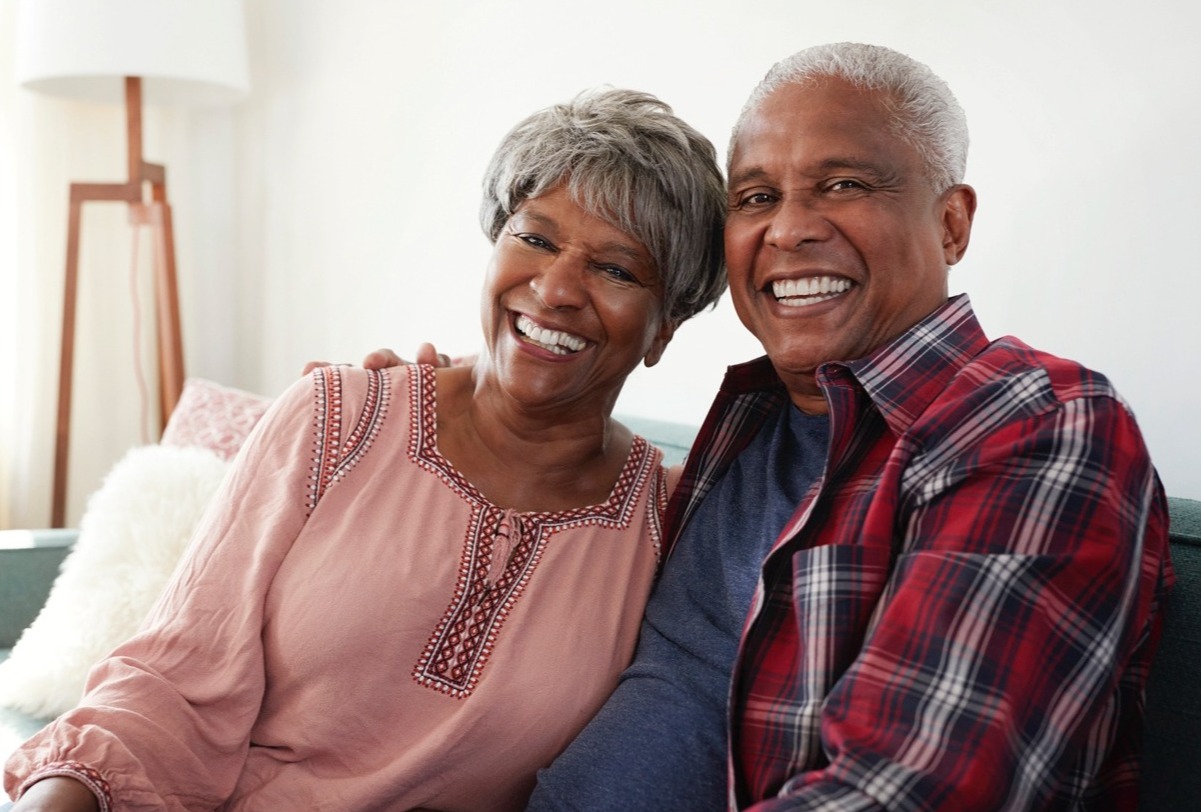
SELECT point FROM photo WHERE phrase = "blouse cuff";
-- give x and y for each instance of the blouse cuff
(89, 777)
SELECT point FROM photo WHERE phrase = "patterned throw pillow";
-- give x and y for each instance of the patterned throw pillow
(213, 416)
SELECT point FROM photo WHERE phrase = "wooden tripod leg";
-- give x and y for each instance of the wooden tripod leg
(170, 340)
(170, 344)
(58, 506)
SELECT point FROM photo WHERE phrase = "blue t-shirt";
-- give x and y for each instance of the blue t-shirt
(659, 743)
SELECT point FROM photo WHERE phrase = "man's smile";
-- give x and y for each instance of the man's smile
(809, 290)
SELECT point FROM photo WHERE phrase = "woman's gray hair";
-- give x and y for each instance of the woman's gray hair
(627, 159)
(925, 112)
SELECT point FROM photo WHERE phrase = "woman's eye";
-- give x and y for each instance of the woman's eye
(535, 241)
(618, 273)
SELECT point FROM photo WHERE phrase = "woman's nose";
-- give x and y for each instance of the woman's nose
(561, 283)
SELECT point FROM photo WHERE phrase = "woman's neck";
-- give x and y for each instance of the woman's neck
(522, 459)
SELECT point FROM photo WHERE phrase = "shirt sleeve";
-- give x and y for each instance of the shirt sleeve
(1011, 642)
(656, 743)
(165, 720)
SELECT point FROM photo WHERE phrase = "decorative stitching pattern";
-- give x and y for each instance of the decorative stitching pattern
(332, 458)
(88, 776)
(368, 426)
(503, 547)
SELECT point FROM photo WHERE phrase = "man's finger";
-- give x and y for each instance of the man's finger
(382, 359)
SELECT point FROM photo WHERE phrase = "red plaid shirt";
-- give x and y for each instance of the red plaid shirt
(961, 614)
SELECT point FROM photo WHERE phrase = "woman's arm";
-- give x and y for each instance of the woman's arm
(169, 712)
(57, 794)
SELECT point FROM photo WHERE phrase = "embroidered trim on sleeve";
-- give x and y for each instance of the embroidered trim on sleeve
(89, 777)
(333, 458)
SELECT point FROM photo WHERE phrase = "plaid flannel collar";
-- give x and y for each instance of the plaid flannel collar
(901, 378)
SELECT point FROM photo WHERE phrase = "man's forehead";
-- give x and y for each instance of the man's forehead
(813, 101)
(826, 126)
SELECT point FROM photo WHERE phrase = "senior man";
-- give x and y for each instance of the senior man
(933, 564)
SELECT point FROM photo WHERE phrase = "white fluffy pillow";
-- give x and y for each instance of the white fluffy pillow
(131, 536)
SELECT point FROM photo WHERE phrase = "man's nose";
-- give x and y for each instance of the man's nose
(562, 282)
(795, 222)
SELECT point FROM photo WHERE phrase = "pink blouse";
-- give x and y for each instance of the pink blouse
(356, 627)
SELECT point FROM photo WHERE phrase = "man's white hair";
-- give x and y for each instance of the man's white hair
(924, 111)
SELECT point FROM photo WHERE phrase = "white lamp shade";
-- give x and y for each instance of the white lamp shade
(185, 51)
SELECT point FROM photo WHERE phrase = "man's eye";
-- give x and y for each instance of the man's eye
(845, 184)
(753, 200)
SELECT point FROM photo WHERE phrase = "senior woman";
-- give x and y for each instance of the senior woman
(417, 585)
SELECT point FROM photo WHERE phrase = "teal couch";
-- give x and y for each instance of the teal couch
(1172, 735)
(1172, 746)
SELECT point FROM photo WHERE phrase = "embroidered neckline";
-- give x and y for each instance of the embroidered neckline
(423, 449)
(502, 548)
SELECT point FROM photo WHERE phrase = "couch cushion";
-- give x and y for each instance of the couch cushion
(1171, 759)
(28, 565)
(131, 536)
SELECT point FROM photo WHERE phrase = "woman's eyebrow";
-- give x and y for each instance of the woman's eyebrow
(633, 253)
(540, 219)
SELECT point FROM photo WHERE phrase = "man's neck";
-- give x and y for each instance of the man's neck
(810, 403)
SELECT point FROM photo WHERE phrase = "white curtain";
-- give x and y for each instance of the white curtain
(45, 144)
(8, 262)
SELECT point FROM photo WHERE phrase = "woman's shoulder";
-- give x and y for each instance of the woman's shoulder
(357, 379)
(336, 405)
(353, 390)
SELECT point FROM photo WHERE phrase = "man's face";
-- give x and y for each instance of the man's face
(836, 242)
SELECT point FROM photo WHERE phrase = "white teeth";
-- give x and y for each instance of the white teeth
(809, 290)
(556, 341)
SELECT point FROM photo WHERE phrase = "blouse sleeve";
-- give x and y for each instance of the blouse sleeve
(165, 720)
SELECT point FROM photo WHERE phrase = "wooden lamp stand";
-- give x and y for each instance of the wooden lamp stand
(146, 194)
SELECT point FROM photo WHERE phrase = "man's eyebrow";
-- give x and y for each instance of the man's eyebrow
(830, 166)
(746, 175)
(862, 165)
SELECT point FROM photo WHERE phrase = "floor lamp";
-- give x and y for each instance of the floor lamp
(157, 51)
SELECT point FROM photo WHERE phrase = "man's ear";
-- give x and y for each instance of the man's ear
(958, 209)
(666, 330)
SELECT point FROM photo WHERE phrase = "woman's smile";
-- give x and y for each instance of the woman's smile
(556, 341)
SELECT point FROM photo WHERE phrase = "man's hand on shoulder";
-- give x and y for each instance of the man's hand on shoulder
(385, 357)
(426, 354)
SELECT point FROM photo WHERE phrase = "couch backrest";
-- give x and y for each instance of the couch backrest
(1172, 737)
(673, 439)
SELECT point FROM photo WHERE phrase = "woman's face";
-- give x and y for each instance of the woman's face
(571, 305)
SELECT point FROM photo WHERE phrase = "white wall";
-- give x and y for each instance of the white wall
(348, 221)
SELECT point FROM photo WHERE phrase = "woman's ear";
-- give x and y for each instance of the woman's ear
(666, 330)
(959, 207)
